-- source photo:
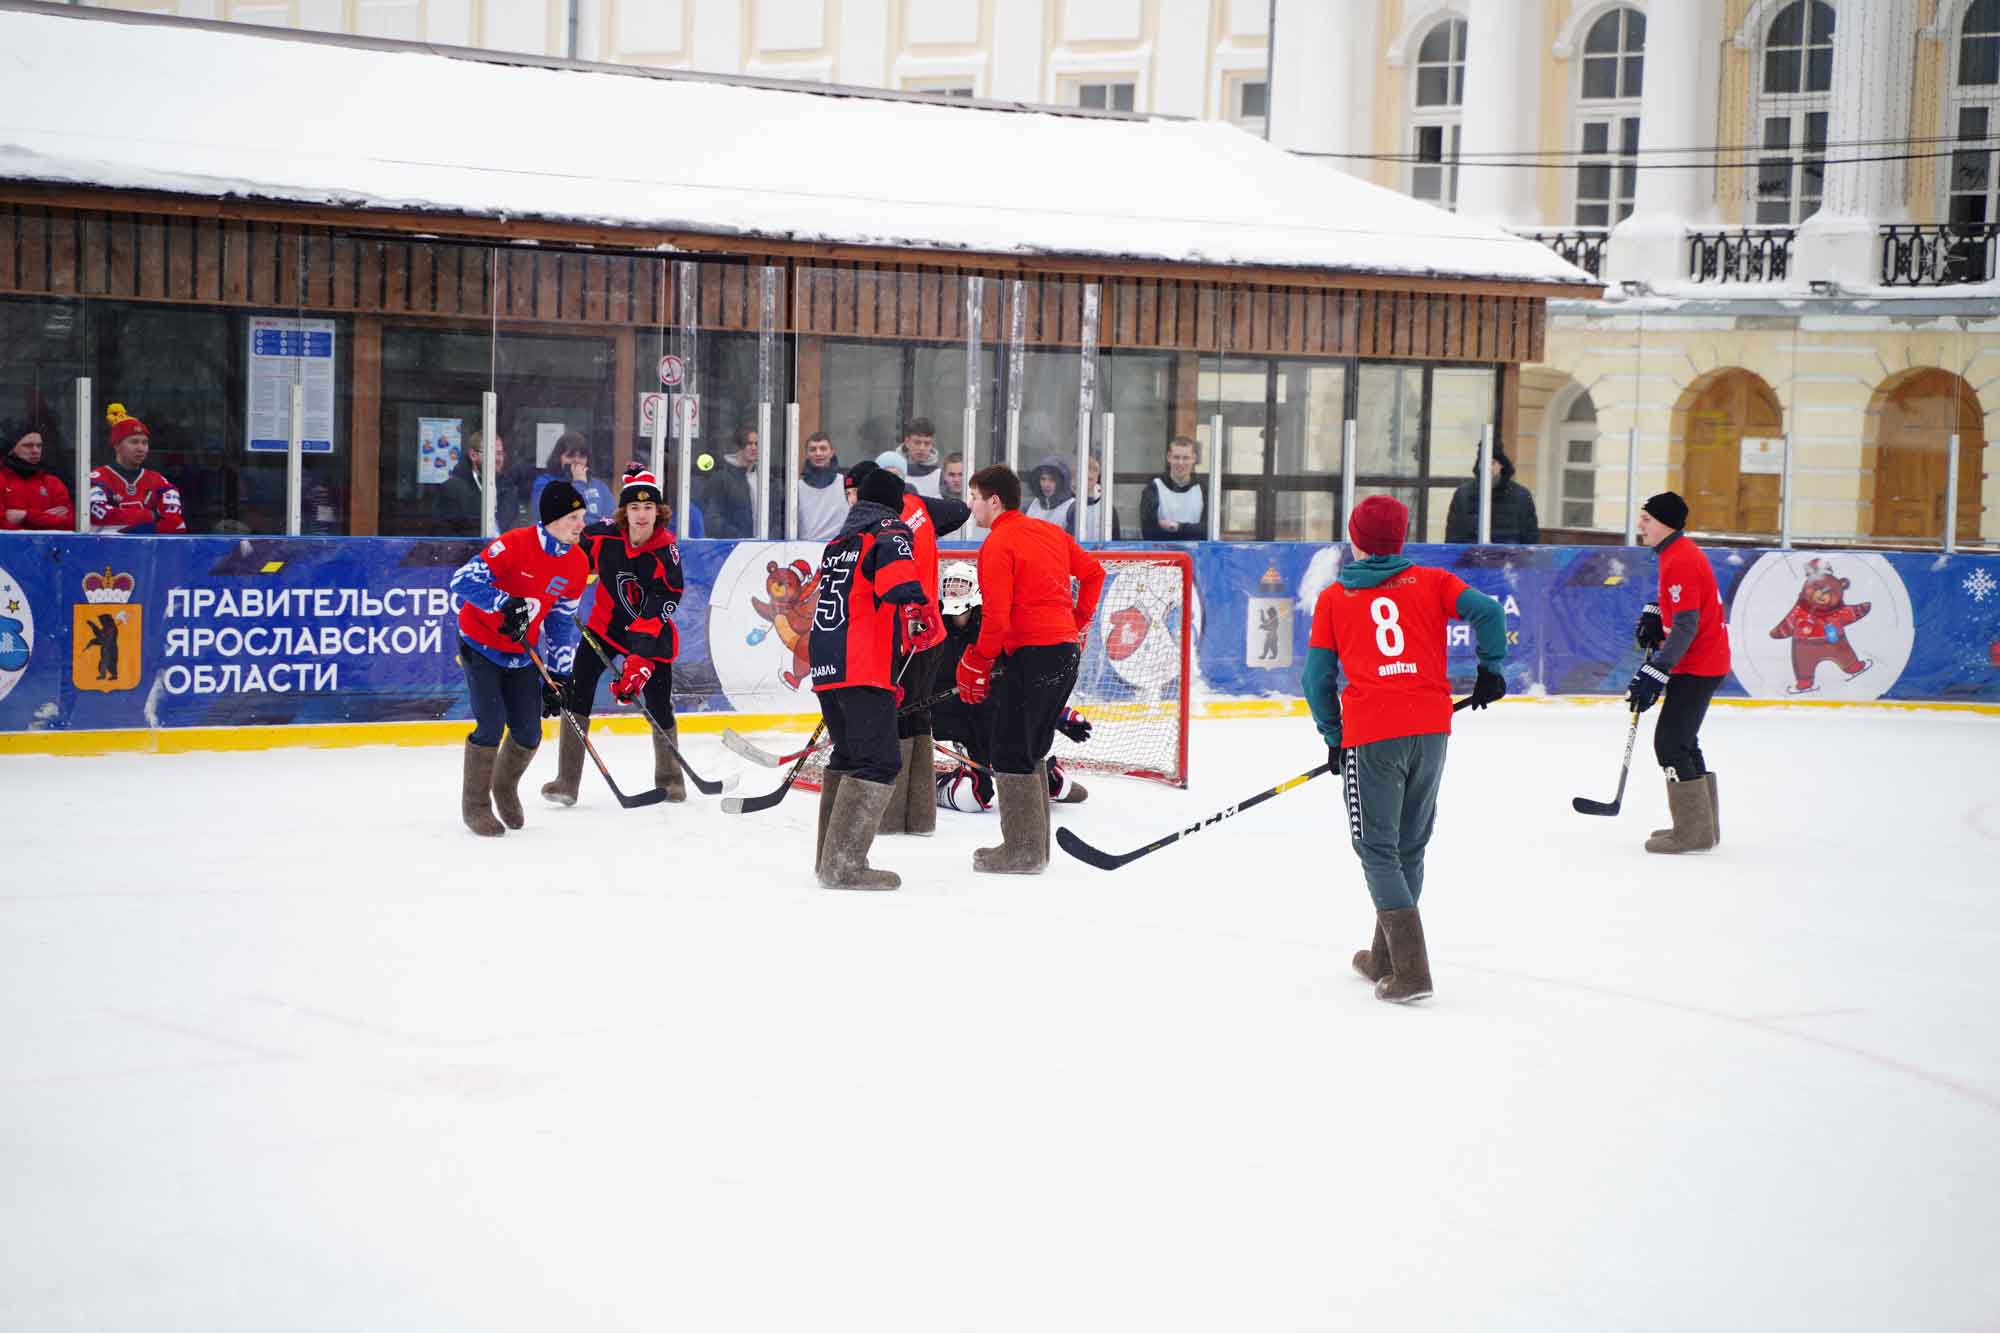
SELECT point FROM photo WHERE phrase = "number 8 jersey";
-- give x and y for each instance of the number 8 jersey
(1389, 639)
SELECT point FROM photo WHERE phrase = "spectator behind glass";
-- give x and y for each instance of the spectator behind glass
(1172, 507)
(1094, 516)
(570, 461)
(822, 498)
(125, 495)
(31, 497)
(1514, 521)
(457, 504)
(1051, 498)
(951, 478)
(728, 490)
(695, 529)
(920, 469)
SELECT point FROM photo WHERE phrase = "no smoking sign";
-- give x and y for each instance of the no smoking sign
(670, 370)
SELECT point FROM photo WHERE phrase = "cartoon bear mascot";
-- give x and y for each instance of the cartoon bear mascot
(1817, 626)
(792, 589)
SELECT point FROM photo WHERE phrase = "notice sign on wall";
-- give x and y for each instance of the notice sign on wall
(438, 444)
(1763, 455)
(284, 352)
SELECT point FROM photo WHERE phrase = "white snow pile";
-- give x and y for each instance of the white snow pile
(187, 110)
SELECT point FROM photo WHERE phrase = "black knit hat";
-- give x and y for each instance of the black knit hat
(881, 486)
(1669, 508)
(559, 499)
(858, 473)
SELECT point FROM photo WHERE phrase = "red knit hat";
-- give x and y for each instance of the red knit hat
(1378, 525)
(123, 424)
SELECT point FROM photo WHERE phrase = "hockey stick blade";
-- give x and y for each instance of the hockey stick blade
(1104, 860)
(745, 747)
(1583, 805)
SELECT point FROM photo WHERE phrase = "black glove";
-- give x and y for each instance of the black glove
(1333, 761)
(1644, 691)
(555, 694)
(1488, 686)
(1649, 633)
(1074, 725)
(514, 616)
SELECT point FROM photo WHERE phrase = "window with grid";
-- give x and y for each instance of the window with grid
(1792, 110)
(1250, 104)
(1613, 76)
(1576, 446)
(1435, 119)
(1106, 96)
(1975, 98)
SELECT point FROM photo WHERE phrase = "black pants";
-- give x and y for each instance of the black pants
(969, 726)
(503, 699)
(862, 721)
(919, 682)
(1030, 691)
(1677, 735)
(589, 667)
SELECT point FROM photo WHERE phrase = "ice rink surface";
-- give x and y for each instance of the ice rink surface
(283, 1047)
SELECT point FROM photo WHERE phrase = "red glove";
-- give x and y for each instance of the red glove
(638, 670)
(646, 626)
(975, 676)
(922, 627)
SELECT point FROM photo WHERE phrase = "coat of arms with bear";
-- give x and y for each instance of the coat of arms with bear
(1817, 626)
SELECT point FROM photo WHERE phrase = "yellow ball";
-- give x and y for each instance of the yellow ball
(706, 462)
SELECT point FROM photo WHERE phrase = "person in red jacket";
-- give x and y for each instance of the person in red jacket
(1031, 626)
(639, 587)
(30, 497)
(126, 496)
(871, 596)
(520, 584)
(1687, 645)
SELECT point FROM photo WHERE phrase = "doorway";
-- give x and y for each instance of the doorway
(1715, 416)
(1916, 415)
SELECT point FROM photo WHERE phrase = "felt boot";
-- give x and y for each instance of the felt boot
(896, 814)
(850, 832)
(1373, 962)
(920, 784)
(569, 766)
(512, 762)
(1409, 962)
(829, 789)
(1694, 818)
(475, 801)
(1024, 826)
(667, 769)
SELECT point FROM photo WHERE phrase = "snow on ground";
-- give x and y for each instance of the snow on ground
(281, 1046)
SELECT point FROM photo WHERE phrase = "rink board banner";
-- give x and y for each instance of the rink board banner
(127, 632)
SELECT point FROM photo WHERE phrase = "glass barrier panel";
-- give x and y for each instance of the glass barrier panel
(430, 373)
(44, 352)
(1463, 404)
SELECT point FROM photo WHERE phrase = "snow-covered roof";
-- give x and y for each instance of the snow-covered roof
(190, 109)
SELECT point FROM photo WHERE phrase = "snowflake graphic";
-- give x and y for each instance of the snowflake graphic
(1979, 583)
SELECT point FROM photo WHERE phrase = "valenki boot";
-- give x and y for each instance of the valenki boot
(920, 779)
(569, 766)
(829, 790)
(667, 769)
(512, 762)
(896, 814)
(1024, 826)
(1694, 818)
(1714, 810)
(1373, 962)
(1409, 976)
(850, 833)
(475, 799)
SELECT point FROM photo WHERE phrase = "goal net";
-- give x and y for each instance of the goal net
(1133, 680)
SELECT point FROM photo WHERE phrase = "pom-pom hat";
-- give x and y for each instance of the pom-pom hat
(123, 424)
(639, 485)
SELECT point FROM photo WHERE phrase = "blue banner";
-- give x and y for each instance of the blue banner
(121, 632)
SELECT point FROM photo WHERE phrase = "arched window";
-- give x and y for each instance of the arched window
(1969, 198)
(1434, 118)
(1612, 73)
(1576, 454)
(1793, 105)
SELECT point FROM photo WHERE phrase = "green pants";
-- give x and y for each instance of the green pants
(1391, 788)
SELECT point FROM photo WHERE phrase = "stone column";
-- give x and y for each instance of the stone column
(1502, 111)
(1677, 109)
(1324, 65)
(1873, 47)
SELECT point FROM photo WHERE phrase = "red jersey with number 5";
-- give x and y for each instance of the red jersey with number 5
(1390, 642)
(865, 575)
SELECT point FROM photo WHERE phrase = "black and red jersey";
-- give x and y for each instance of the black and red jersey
(635, 583)
(865, 575)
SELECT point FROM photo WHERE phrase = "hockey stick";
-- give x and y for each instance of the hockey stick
(757, 754)
(1104, 860)
(1583, 805)
(653, 797)
(750, 805)
(702, 785)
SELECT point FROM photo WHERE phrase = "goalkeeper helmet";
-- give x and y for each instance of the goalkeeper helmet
(958, 587)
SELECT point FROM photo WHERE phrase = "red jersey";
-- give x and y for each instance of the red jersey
(1025, 566)
(923, 534)
(41, 494)
(865, 575)
(1390, 642)
(148, 503)
(519, 563)
(634, 583)
(1687, 583)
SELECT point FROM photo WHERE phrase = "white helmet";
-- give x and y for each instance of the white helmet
(958, 587)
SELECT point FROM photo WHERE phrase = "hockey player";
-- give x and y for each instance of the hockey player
(1382, 624)
(870, 593)
(1687, 646)
(969, 787)
(1030, 626)
(126, 495)
(521, 590)
(639, 585)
